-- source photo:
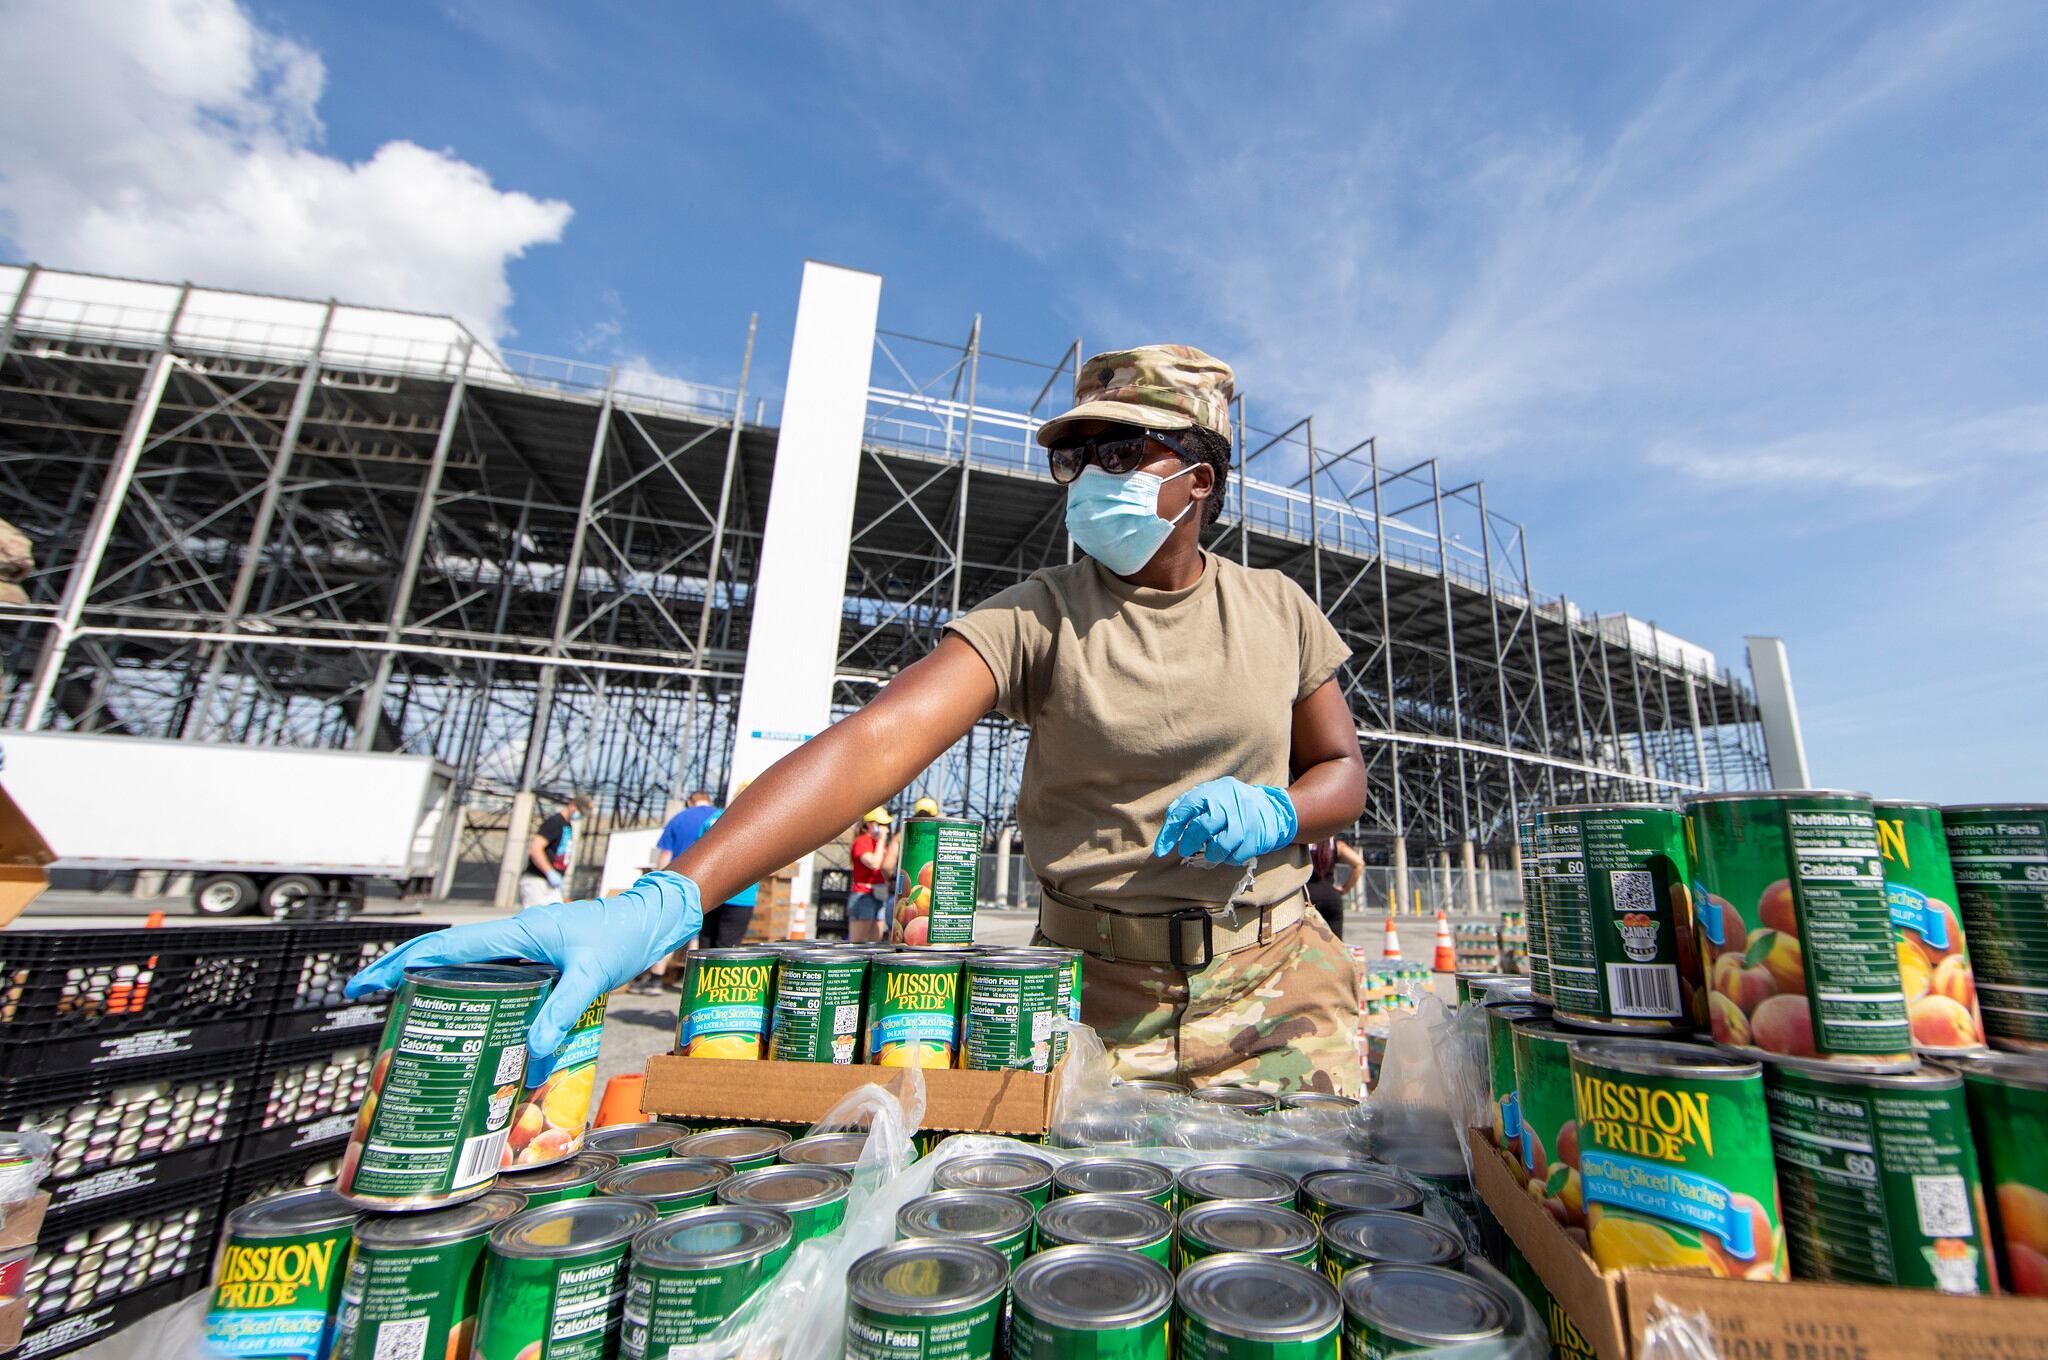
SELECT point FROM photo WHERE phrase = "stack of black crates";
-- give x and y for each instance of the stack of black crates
(180, 1073)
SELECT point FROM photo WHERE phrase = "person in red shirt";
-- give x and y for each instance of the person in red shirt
(874, 869)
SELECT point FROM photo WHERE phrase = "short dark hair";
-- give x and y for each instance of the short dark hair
(581, 802)
(1214, 449)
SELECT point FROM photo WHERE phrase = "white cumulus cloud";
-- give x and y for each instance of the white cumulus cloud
(178, 139)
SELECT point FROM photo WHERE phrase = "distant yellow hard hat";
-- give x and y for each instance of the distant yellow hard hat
(928, 807)
(880, 817)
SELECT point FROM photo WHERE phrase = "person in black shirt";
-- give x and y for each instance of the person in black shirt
(547, 854)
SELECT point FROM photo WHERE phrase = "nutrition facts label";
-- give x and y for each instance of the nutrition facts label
(444, 1105)
(1568, 916)
(1850, 957)
(2001, 865)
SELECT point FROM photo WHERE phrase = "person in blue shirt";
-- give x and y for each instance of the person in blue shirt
(724, 925)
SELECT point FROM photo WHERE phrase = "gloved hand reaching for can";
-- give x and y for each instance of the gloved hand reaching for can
(1227, 821)
(598, 945)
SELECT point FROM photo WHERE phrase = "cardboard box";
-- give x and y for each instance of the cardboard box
(23, 856)
(1754, 1320)
(13, 1317)
(1015, 1103)
(24, 1222)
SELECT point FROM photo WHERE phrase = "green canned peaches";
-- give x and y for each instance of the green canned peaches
(2008, 1097)
(1617, 919)
(1532, 909)
(1675, 1160)
(415, 1280)
(691, 1272)
(1242, 1307)
(925, 1299)
(1089, 1303)
(1934, 958)
(1549, 1121)
(817, 1006)
(1878, 1177)
(277, 1282)
(2000, 855)
(937, 884)
(1801, 959)
(728, 1002)
(913, 1010)
(555, 1281)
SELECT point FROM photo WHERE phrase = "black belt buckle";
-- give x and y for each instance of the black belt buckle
(1173, 950)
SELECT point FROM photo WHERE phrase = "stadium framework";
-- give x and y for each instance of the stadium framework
(272, 520)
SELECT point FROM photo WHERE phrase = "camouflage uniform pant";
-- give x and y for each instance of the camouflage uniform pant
(1281, 1016)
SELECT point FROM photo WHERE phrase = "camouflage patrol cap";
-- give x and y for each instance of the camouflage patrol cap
(1160, 387)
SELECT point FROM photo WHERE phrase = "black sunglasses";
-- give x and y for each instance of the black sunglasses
(1114, 454)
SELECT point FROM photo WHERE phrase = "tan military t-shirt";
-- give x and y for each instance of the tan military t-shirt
(1133, 696)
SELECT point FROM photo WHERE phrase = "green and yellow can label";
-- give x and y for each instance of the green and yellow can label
(540, 1308)
(553, 1112)
(1617, 919)
(727, 995)
(817, 1007)
(1673, 1171)
(2000, 856)
(1934, 959)
(1549, 1121)
(1567, 1342)
(913, 1010)
(1801, 958)
(938, 881)
(277, 1296)
(2008, 1101)
(1008, 1016)
(1878, 1178)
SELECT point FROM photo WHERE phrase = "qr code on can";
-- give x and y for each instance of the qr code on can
(403, 1339)
(1944, 1206)
(1634, 890)
(511, 1064)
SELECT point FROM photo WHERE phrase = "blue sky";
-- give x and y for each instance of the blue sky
(1741, 309)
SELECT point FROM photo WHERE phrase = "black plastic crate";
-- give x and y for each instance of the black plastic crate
(132, 1125)
(73, 999)
(314, 1164)
(95, 1253)
(67, 1334)
(319, 959)
(306, 1091)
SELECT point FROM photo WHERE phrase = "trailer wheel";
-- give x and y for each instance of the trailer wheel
(288, 893)
(224, 895)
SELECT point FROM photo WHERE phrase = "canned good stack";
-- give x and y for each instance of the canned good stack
(1771, 1002)
(978, 1008)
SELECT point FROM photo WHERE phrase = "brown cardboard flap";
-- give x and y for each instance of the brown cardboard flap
(23, 853)
(24, 1222)
(1797, 1318)
(1591, 1299)
(1755, 1318)
(802, 1093)
(13, 1317)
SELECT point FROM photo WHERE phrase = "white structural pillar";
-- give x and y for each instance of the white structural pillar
(1772, 675)
(1398, 901)
(1468, 865)
(786, 693)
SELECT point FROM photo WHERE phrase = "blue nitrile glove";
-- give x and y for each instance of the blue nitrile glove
(554, 878)
(1227, 821)
(598, 945)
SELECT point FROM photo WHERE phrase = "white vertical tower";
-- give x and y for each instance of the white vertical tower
(799, 590)
(1783, 746)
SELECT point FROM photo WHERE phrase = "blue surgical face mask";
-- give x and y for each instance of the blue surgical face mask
(1115, 520)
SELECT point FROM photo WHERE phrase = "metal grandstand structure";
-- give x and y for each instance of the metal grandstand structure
(264, 519)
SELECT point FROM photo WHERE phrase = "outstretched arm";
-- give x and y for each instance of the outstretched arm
(798, 804)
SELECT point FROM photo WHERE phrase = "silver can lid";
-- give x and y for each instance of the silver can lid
(715, 1235)
(474, 1218)
(921, 1276)
(294, 1211)
(1245, 1225)
(1258, 1298)
(665, 1178)
(1241, 1098)
(1346, 1190)
(788, 1188)
(977, 1215)
(614, 1139)
(1086, 1288)
(1425, 1305)
(1015, 1172)
(1663, 1058)
(736, 1144)
(1104, 1221)
(572, 1227)
(1391, 1237)
(1236, 1180)
(1113, 1176)
(840, 1150)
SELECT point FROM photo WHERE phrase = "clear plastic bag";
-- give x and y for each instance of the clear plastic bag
(1673, 1333)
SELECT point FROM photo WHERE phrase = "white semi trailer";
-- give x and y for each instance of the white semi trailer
(257, 827)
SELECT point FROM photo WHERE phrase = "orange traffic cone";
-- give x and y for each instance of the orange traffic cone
(1392, 948)
(621, 1103)
(1446, 960)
